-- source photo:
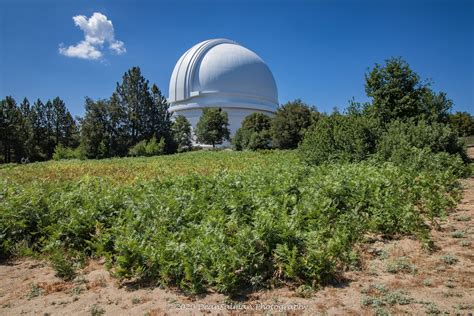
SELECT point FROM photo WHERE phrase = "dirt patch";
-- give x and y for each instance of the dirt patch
(396, 277)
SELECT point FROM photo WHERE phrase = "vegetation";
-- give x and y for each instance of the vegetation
(182, 135)
(213, 127)
(148, 148)
(290, 123)
(254, 133)
(230, 220)
(224, 220)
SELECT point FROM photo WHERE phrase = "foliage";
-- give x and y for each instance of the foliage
(254, 133)
(182, 136)
(61, 152)
(398, 93)
(148, 148)
(213, 127)
(340, 137)
(133, 113)
(290, 123)
(31, 133)
(216, 220)
(463, 122)
(396, 143)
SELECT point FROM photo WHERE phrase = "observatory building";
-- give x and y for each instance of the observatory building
(220, 73)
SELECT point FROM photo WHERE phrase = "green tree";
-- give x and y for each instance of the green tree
(95, 129)
(133, 95)
(398, 93)
(290, 123)
(10, 130)
(142, 113)
(182, 135)
(254, 133)
(463, 122)
(213, 127)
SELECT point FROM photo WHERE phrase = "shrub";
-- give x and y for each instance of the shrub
(395, 144)
(61, 152)
(254, 133)
(349, 138)
(148, 148)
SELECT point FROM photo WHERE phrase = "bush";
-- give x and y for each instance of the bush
(395, 144)
(148, 148)
(254, 133)
(337, 137)
(61, 152)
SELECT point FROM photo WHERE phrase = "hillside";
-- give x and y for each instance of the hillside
(392, 275)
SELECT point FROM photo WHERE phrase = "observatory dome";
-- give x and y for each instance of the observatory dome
(223, 74)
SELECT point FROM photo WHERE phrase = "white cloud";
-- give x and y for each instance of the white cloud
(98, 30)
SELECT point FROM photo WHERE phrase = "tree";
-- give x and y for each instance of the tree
(463, 122)
(254, 133)
(10, 130)
(142, 114)
(398, 93)
(133, 96)
(213, 127)
(181, 130)
(290, 123)
(95, 136)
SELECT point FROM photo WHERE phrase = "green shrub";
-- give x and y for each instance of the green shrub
(148, 148)
(61, 152)
(337, 137)
(395, 144)
(254, 133)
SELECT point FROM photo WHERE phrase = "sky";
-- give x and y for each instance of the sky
(318, 51)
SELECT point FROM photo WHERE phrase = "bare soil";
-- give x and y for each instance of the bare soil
(397, 277)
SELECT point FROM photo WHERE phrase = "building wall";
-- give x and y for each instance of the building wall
(236, 116)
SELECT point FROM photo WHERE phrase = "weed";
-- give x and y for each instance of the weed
(305, 291)
(463, 218)
(96, 310)
(432, 309)
(458, 234)
(401, 265)
(136, 300)
(464, 243)
(449, 259)
(35, 291)
(63, 266)
(427, 282)
(450, 284)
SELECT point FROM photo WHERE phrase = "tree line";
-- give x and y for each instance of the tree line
(135, 121)
(400, 103)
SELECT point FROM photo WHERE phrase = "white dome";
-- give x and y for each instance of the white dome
(220, 73)
(221, 70)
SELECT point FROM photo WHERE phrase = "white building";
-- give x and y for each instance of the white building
(220, 73)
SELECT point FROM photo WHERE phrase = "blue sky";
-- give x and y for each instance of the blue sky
(317, 50)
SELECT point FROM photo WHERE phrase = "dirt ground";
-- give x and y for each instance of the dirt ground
(397, 277)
